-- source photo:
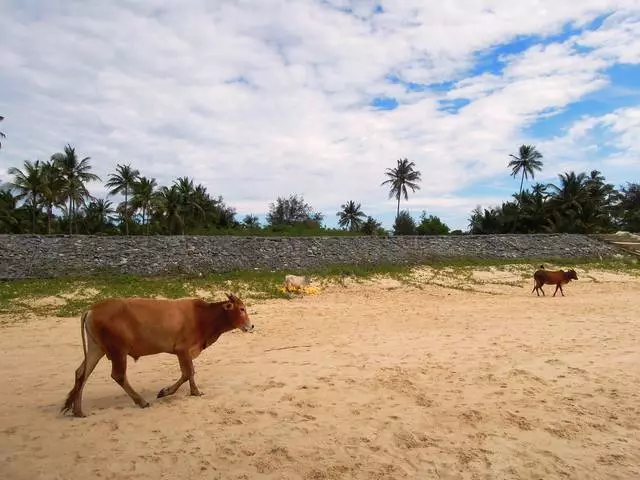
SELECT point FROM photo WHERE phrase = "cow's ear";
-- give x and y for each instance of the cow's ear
(228, 306)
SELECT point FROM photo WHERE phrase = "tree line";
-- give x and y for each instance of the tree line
(578, 203)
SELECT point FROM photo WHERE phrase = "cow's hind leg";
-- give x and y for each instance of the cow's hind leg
(119, 374)
(74, 399)
(184, 368)
(94, 354)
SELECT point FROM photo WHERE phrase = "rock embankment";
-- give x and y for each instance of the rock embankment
(29, 256)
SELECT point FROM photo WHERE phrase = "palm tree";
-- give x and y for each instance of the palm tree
(568, 201)
(8, 217)
(351, 216)
(400, 178)
(527, 162)
(571, 192)
(169, 201)
(143, 195)
(191, 199)
(534, 208)
(123, 181)
(52, 187)
(28, 183)
(74, 173)
(98, 214)
(370, 226)
(2, 135)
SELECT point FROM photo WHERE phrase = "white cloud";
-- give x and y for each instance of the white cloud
(618, 40)
(262, 98)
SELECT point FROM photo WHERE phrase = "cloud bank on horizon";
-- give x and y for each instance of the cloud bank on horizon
(257, 99)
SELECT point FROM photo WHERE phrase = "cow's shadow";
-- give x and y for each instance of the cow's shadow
(118, 401)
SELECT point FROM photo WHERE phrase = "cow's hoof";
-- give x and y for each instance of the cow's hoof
(197, 394)
(145, 405)
(162, 393)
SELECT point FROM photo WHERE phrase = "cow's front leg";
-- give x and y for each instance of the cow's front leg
(191, 372)
(186, 367)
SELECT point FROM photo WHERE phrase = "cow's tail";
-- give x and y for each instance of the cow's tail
(83, 322)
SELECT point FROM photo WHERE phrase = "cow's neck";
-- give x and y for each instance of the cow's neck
(214, 326)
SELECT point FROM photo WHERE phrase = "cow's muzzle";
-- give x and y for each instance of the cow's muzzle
(247, 328)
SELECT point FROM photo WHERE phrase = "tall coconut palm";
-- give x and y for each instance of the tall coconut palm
(401, 177)
(527, 162)
(143, 195)
(74, 173)
(28, 183)
(2, 135)
(123, 181)
(351, 216)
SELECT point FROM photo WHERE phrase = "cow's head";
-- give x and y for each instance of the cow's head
(237, 311)
(572, 275)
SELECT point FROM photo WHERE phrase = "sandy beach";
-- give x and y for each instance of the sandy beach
(462, 378)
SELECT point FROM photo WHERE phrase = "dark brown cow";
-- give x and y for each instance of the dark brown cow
(550, 277)
(137, 327)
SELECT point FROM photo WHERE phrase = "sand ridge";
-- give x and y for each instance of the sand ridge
(365, 380)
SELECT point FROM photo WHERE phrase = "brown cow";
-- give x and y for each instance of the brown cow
(117, 327)
(549, 277)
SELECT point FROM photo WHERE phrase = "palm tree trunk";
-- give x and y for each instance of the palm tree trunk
(515, 224)
(70, 214)
(126, 217)
(33, 213)
(398, 211)
(49, 215)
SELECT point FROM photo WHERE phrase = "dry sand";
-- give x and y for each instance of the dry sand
(368, 381)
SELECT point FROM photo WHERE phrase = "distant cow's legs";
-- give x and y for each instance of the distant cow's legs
(558, 286)
(119, 374)
(186, 367)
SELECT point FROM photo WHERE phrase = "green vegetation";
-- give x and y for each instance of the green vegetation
(578, 203)
(70, 296)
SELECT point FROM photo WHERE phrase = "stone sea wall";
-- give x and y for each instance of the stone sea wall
(33, 256)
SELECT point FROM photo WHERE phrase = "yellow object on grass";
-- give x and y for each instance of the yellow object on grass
(309, 290)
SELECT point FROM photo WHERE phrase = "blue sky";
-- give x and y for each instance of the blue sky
(265, 98)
